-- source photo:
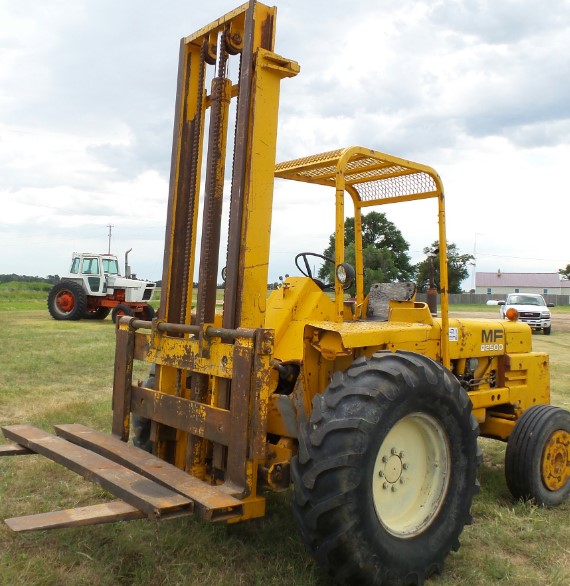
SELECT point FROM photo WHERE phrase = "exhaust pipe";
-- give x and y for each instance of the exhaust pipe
(127, 267)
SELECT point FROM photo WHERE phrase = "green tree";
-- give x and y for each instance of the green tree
(565, 272)
(385, 251)
(456, 268)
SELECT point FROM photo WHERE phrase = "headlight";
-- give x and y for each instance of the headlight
(345, 274)
(545, 315)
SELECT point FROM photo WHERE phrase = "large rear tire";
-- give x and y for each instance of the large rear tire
(67, 301)
(387, 470)
(537, 460)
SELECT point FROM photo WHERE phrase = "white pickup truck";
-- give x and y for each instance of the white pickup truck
(531, 309)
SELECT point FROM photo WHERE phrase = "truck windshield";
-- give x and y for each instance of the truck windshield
(525, 300)
(110, 266)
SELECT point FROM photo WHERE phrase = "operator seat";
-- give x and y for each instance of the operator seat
(381, 294)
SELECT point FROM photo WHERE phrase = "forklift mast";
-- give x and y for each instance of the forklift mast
(222, 379)
(246, 34)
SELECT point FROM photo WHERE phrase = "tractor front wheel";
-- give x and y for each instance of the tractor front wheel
(386, 470)
(148, 313)
(537, 460)
(67, 301)
(119, 311)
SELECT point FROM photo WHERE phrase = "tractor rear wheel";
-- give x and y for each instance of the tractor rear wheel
(387, 470)
(67, 301)
(537, 460)
(119, 311)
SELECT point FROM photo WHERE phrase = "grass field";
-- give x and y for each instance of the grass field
(61, 372)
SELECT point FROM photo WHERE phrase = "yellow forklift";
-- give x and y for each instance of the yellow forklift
(369, 406)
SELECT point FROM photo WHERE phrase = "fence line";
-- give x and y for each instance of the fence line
(482, 298)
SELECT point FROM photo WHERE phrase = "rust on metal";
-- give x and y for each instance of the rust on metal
(241, 151)
(194, 330)
(213, 194)
(77, 517)
(555, 468)
(136, 490)
(14, 450)
(236, 473)
(184, 353)
(184, 183)
(211, 502)
(122, 381)
(211, 229)
(260, 398)
(183, 414)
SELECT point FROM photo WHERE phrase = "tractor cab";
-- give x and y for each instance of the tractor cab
(94, 270)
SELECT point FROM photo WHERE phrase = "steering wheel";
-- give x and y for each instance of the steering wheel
(307, 271)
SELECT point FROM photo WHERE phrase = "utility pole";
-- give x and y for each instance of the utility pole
(474, 284)
(110, 230)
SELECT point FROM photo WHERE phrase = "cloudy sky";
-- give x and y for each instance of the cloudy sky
(478, 89)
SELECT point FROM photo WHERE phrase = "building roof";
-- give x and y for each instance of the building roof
(500, 279)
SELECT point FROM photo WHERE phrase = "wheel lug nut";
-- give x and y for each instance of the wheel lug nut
(384, 459)
(385, 486)
(381, 474)
(401, 481)
(405, 466)
(394, 489)
(394, 451)
(401, 454)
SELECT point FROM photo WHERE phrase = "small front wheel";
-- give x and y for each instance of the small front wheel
(148, 313)
(119, 311)
(537, 460)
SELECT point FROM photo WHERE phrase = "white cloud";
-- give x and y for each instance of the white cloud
(475, 88)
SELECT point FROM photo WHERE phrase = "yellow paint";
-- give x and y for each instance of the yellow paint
(258, 196)
(555, 468)
(289, 309)
(372, 178)
(497, 427)
(253, 507)
(301, 325)
(183, 352)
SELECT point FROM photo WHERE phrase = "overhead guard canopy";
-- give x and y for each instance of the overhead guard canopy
(371, 176)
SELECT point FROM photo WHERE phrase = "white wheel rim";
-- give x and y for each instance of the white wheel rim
(411, 475)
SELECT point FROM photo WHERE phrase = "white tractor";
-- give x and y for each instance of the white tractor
(94, 287)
